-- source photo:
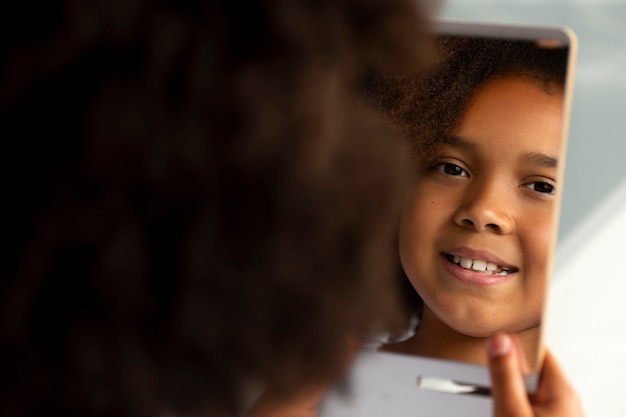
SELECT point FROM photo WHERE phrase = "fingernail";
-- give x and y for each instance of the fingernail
(499, 345)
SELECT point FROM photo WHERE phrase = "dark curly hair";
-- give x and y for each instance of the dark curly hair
(428, 107)
(196, 195)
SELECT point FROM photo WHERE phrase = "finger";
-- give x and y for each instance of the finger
(508, 389)
(521, 355)
(555, 395)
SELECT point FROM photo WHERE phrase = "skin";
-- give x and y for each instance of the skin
(488, 194)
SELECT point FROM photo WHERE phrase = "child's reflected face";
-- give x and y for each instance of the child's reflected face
(476, 230)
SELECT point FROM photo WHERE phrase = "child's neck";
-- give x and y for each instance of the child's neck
(434, 339)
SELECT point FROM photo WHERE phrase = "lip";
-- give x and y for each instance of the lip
(474, 277)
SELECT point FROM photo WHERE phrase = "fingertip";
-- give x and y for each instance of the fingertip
(499, 345)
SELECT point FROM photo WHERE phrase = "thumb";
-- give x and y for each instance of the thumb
(555, 395)
(508, 389)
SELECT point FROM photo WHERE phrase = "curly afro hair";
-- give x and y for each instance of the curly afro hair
(197, 198)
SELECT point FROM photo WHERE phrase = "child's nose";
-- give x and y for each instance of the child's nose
(485, 209)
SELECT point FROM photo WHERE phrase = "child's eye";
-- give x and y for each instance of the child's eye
(541, 187)
(449, 168)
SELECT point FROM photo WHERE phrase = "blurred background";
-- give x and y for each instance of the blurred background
(586, 320)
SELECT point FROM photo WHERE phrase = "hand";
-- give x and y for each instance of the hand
(554, 398)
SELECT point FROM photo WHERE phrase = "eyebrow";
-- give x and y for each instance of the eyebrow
(534, 158)
(540, 160)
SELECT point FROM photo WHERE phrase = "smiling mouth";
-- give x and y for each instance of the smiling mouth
(479, 265)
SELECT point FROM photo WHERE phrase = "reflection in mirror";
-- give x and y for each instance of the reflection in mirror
(478, 229)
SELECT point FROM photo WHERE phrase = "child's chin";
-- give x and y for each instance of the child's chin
(486, 330)
(480, 330)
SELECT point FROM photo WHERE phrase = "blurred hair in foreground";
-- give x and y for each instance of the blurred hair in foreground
(197, 197)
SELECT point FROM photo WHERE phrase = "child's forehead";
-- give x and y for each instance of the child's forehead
(514, 88)
(549, 84)
(514, 111)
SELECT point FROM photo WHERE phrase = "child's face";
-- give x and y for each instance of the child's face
(486, 203)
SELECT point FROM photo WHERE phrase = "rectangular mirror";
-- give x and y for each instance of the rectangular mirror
(487, 131)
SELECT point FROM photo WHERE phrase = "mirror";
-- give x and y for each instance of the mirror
(487, 129)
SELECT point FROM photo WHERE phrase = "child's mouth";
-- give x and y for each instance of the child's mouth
(479, 265)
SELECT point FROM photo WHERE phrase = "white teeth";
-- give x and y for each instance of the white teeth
(480, 265)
